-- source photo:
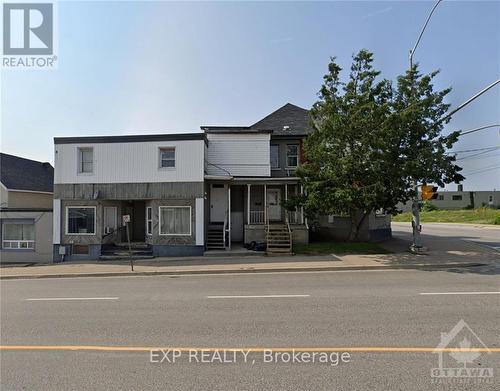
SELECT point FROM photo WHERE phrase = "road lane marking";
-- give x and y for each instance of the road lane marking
(70, 298)
(458, 293)
(362, 349)
(255, 296)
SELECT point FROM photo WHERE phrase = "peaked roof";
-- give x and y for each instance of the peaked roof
(288, 120)
(17, 173)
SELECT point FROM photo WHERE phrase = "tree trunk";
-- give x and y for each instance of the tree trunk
(356, 225)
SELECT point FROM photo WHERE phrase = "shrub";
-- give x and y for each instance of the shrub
(428, 206)
(497, 220)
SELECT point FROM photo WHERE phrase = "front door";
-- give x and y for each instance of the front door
(110, 219)
(273, 203)
(217, 203)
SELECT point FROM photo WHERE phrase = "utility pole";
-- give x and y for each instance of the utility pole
(416, 246)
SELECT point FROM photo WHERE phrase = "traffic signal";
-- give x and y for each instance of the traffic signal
(429, 192)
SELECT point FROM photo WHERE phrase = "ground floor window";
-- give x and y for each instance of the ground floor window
(175, 220)
(18, 236)
(80, 220)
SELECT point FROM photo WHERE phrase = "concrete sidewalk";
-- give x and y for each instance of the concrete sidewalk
(459, 254)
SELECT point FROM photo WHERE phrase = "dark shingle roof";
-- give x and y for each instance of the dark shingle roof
(288, 120)
(17, 173)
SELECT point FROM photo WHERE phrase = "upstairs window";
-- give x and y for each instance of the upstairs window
(85, 160)
(167, 157)
(292, 155)
(275, 156)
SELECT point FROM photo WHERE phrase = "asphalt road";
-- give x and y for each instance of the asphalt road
(336, 310)
(481, 234)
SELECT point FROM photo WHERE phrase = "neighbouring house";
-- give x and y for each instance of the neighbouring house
(460, 199)
(186, 193)
(26, 190)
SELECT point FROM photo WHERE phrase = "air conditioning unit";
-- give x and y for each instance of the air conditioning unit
(108, 230)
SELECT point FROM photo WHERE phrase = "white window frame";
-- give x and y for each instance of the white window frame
(278, 155)
(176, 206)
(80, 207)
(80, 161)
(297, 155)
(160, 150)
(30, 244)
(149, 232)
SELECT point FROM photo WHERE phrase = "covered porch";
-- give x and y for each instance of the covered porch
(242, 208)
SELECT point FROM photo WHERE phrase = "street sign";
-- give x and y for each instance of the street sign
(125, 219)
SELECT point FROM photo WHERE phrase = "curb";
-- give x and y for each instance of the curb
(420, 266)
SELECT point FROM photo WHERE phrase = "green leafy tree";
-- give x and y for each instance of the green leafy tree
(370, 140)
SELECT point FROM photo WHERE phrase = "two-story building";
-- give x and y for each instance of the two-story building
(26, 188)
(156, 180)
(250, 170)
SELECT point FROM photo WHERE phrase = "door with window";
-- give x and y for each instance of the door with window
(110, 219)
(217, 203)
(274, 204)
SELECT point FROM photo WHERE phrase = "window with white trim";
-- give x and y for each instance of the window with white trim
(149, 220)
(175, 220)
(80, 220)
(167, 157)
(292, 155)
(85, 160)
(18, 236)
(275, 156)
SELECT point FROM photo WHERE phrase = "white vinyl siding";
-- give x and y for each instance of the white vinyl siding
(175, 220)
(18, 236)
(239, 154)
(80, 220)
(135, 162)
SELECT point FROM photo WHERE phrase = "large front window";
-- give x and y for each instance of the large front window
(175, 220)
(18, 236)
(292, 155)
(80, 220)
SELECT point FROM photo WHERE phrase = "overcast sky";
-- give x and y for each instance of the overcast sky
(161, 67)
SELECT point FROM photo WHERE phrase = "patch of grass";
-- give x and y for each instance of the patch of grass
(472, 216)
(324, 248)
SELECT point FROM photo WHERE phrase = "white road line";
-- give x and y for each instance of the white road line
(255, 296)
(70, 298)
(459, 293)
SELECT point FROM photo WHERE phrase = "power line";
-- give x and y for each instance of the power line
(473, 150)
(482, 170)
(478, 129)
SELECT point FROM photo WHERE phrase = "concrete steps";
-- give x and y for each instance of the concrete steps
(119, 251)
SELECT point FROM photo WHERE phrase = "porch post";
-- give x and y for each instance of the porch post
(302, 207)
(286, 191)
(229, 216)
(265, 203)
(248, 203)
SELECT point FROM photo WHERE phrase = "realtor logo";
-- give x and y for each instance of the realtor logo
(28, 35)
(461, 340)
(28, 28)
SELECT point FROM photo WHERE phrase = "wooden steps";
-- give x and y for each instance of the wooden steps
(279, 239)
